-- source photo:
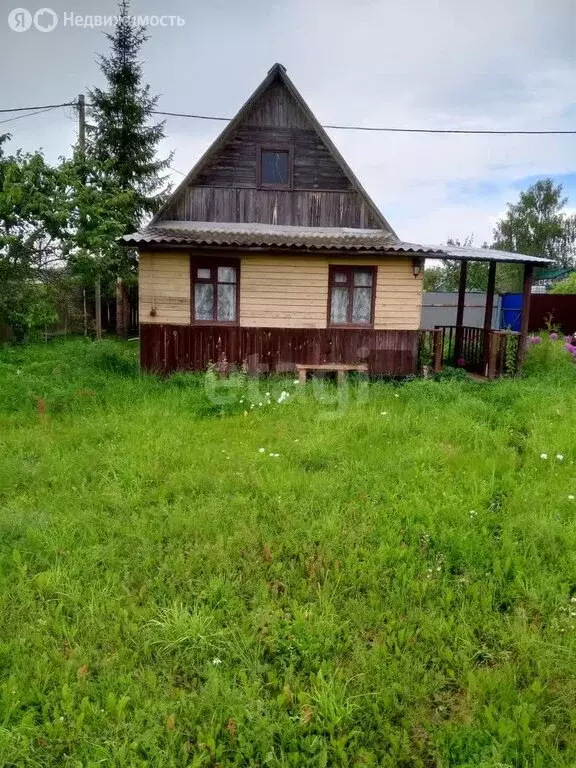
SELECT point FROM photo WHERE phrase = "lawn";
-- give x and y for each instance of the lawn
(380, 577)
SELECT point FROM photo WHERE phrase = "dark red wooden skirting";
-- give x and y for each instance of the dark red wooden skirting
(166, 348)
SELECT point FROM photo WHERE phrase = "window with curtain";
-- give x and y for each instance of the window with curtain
(351, 295)
(215, 292)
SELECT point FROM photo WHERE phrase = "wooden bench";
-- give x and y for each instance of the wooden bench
(340, 368)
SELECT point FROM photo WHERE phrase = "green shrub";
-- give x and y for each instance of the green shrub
(548, 357)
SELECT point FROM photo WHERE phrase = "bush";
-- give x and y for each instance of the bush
(566, 286)
(547, 355)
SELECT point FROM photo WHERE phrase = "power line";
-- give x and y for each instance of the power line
(450, 130)
(381, 129)
(196, 117)
(29, 114)
(31, 109)
(469, 131)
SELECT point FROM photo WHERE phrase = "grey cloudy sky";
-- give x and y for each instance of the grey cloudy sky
(419, 63)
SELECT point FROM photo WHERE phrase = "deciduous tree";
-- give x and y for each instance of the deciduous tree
(538, 225)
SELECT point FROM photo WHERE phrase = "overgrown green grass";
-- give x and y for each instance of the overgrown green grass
(396, 588)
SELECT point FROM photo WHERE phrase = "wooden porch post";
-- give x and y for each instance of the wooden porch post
(438, 345)
(526, 297)
(460, 311)
(488, 314)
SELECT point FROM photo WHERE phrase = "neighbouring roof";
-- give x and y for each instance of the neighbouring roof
(556, 273)
(252, 235)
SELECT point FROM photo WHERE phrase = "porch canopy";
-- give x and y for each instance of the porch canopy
(344, 241)
(489, 345)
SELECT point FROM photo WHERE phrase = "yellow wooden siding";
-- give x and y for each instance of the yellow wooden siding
(164, 282)
(398, 296)
(280, 292)
(293, 292)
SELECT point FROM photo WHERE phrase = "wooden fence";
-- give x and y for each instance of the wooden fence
(77, 315)
(548, 309)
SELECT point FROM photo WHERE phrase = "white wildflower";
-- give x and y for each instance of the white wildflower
(260, 405)
(543, 455)
(560, 456)
(296, 381)
(216, 661)
(267, 394)
(383, 413)
(274, 455)
(261, 450)
(571, 497)
(396, 395)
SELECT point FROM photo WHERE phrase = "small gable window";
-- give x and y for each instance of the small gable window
(215, 292)
(275, 167)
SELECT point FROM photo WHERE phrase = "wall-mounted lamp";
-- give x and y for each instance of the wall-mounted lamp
(417, 266)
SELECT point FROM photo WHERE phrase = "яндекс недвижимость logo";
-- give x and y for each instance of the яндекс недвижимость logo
(21, 20)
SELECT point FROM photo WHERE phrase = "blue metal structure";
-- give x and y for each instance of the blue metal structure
(511, 313)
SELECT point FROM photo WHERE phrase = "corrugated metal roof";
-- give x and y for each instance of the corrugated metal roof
(311, 238)
(463, 253)
(266, 235)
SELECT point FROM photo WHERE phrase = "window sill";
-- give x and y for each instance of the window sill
(277, 187)
(353, 326)
(228, 323)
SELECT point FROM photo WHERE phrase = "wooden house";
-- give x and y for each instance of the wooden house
(271, 252)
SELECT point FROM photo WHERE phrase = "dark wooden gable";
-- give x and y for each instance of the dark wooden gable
(224, 185)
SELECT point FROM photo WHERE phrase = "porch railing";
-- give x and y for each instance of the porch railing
(430, 349)
(503, 356)
(488, 353)
(463, 347)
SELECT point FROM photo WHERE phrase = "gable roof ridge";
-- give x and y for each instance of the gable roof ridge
(276, 71)
(352, 178)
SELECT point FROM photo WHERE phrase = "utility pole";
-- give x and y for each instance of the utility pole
(82, 152)
(82, 126)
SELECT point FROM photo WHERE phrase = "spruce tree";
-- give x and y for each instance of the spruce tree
(123, 136)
